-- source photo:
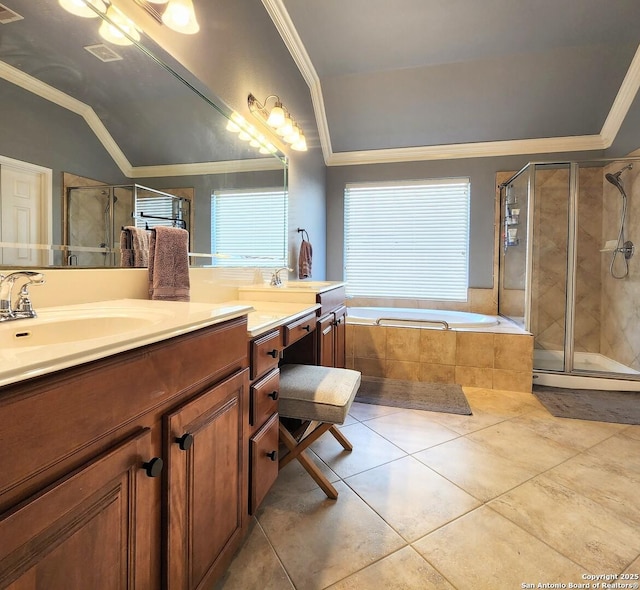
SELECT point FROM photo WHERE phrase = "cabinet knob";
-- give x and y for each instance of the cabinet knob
(307, 328)
(273, 353)
(185, 441)
(153, 467)
(273, 395)
(273, 455)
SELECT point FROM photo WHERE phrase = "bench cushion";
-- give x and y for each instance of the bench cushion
(310, 392)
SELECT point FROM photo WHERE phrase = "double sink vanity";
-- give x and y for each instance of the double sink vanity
(138, 437)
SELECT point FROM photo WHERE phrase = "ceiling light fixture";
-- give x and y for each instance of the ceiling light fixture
(279, 120)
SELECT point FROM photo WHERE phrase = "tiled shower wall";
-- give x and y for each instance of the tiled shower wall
(620, 333)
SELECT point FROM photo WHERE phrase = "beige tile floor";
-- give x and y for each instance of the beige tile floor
(510, 497)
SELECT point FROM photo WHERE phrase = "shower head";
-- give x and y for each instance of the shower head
(614, 179)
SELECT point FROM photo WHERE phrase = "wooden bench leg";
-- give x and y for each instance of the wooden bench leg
(341, 438)
(297, 450)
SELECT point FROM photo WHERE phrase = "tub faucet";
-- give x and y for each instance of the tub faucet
(23, 308)
(276, 281)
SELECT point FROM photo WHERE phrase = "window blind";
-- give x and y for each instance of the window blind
(249, 228)
(407, 239)
(156, 206)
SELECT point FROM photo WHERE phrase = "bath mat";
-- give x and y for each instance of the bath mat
(434, 397)
(622, 407)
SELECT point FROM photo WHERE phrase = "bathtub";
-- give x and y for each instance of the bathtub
(420, 318)
(439, 346)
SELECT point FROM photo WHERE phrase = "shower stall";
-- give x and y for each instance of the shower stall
(93, 217)
(568, 273)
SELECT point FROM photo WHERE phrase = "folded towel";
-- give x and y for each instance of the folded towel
(134, 247)
(304, 260)
(169, 264)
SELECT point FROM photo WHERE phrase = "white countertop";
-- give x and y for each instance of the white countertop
(151, 321)
(288, 292)
(270, 314)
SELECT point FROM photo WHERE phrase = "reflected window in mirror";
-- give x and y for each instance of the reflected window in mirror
(249, 227)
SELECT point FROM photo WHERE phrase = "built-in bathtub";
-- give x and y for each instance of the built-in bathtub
(439, 346)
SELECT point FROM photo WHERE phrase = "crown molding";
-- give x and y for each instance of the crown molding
(603, 140)
(200, 168)
(43, 90)
(298, 51)
(35, 86)
(622, 102)
(469, 150)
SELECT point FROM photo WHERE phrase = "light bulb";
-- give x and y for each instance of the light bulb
(181, 17)
(286, 128)
(80, 8)
(300, 145)
(294, 136)
(115, 33)
(231, 126)
(276, 116)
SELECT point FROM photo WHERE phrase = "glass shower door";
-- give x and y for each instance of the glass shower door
(550, 290)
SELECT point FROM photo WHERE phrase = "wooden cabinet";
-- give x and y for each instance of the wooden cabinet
(331, 333)
(90, 529)
(205, 492)
(100, 487)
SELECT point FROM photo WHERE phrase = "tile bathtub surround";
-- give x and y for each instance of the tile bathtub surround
(506, 497)
(476, 359)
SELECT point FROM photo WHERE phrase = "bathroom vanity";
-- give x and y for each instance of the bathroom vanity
(136, 460)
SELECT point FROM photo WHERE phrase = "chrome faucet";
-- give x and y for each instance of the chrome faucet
(23, 308)
(276, 281)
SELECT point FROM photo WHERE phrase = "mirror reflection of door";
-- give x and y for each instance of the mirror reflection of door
(25, 213)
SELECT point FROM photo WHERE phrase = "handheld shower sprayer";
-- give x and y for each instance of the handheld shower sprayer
(614, 179)
(626, 248)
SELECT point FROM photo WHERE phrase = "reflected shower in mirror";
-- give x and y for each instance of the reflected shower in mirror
(111, 115)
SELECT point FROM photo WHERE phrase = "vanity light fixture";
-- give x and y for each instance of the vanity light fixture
(247, 132)
(114, 31)
(279, 120)
(178, 15)
(80, 8)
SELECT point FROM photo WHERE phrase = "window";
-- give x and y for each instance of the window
(407, 239)
(249, 227)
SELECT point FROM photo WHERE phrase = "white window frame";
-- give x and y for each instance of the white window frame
(407, 239)
(252, 231)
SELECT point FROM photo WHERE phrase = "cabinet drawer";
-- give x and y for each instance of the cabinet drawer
(264, 398)
(299, 328)
(263, 449)
(265, 353)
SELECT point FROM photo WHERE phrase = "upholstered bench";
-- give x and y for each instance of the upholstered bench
(318, 397)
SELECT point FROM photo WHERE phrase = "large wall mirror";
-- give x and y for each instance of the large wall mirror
(93, 134)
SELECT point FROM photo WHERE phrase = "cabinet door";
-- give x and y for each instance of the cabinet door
(206, 500)
(88, 530)
(263, 450)
(340, 334)
(326, 352)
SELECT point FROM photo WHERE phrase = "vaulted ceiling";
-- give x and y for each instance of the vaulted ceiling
(433, 79)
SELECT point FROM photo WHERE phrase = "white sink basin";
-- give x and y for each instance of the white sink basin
(305, 285)
(64, 327)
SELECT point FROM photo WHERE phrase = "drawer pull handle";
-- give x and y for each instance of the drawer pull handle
(307, 328)
(273, 353)
(153, 467)
(273, 455)
(273, 395)
(185, 441)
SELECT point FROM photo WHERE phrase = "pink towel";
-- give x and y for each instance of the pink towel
(134, 247)
(169, 264)
(304, 260)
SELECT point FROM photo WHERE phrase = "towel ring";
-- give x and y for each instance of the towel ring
(304, 233)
